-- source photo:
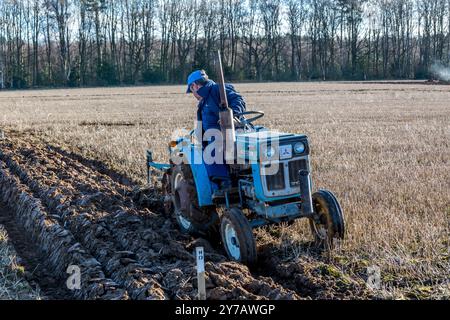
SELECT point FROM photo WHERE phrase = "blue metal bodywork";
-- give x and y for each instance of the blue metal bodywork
(202, 182)
(269, 209)
(259, 190)
(193, 155)
(275, 214)
(249, 146)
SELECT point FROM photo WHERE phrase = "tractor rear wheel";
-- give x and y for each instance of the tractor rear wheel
(328, 223)
(237, 237)
(190, 217)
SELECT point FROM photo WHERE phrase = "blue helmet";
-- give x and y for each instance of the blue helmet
(195, 76)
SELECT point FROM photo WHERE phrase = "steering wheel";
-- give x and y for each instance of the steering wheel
(257, 115)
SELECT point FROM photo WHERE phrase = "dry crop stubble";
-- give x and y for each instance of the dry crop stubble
(383, 148)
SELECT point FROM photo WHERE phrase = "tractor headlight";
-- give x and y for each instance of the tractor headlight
(299, 148)
(270, 152)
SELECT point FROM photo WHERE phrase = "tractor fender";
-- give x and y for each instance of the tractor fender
(201, 178)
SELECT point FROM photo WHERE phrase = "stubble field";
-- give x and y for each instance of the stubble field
(383, 148)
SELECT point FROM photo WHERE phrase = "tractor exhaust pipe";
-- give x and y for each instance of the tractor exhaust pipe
(226, 116)
(305, 193)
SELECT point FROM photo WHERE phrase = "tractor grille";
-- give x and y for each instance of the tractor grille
(276, 181)
(294, 167)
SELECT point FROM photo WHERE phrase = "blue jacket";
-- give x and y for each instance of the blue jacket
(208, 107)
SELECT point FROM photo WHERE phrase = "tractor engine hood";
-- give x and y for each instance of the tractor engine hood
(266, 146)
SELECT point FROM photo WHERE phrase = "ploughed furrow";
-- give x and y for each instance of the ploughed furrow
(73, 204)
(140, 250)
(95, 165)
(31, 258)
(57, 248)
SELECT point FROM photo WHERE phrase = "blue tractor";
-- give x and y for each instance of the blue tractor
(256, 198)
(270, 184)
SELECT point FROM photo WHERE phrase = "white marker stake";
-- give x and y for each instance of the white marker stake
(200, 253)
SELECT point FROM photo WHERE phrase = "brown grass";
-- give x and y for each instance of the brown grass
(384, 149)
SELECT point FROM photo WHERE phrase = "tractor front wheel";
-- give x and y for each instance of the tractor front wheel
(237, 237)
(328, 222)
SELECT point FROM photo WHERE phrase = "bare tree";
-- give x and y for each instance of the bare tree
(296, 12)
(104, 42)
(59, 11)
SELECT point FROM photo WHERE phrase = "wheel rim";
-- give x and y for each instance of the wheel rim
(232, 242)
(185, 223)
(321, 232)
(321, 229)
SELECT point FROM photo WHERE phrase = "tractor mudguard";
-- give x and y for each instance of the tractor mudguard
(201, 178)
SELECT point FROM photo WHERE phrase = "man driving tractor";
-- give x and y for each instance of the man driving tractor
(207, 92)
(211, 198)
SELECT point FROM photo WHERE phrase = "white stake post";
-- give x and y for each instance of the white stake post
(200, 253)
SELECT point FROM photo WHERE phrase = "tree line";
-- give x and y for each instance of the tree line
(112, 42)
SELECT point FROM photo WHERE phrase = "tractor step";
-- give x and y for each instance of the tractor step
(220, 196)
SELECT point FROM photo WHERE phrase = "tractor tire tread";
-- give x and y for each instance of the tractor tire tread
(335, 214)
(245, 234)
(209, 227)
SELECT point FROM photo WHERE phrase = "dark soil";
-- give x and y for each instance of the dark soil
(67, 210)
(37, 272)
